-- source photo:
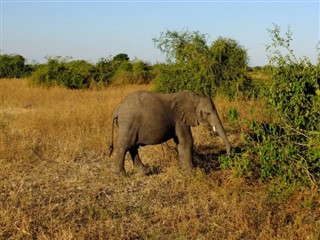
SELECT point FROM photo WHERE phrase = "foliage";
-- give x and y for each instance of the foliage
(137, 72)
(233, 114)
(195, 66)
(192, 65)
(81, 74)
(121, 57)
(230, 58)
(288, 150)
(73, 75)
(13, 66)
(141, 72)
(104, 71)
(189, 66)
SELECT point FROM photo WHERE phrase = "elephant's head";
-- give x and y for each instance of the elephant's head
(194, 109)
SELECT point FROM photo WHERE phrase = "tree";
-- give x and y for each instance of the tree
(230, 60)
(189, 66)
(192, 65)
(12, 66)
(121, 57)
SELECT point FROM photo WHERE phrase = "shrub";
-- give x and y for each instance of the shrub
(141, 72)
(73, 75)
(123, 74)
(47, 74)
(132, 73)
(173, 78)
(189, 66)
(81, 74)
(287, 151)
(104, 70)
(192, 65)
(293, 94)
(230, 60)
(13, 66)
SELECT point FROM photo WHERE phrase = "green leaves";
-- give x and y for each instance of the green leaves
(201, 68)
(285, 152)
(233, 114)
(291, 153)
(80, 74)
(13, 66)
(293, 95)
(73, 74)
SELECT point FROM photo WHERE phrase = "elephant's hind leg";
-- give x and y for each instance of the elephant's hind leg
(124, 142)
(138, 165)
(119, 161)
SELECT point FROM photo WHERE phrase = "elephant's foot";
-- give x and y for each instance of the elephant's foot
(186, 166)
(141, 170)
(119, 171)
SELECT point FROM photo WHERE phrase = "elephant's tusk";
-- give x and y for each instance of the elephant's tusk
(213, 128)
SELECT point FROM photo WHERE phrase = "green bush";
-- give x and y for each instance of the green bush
(293, 95)
(295, 90)
(252, 88)
(14, 66)
(123, 74)
(174, 78)
(286, 152)
(132, 73)
(189, 66)
(104, 70)
(142, 72)
(195, 66)
(230, 60)
(73, 75)
(81, 74)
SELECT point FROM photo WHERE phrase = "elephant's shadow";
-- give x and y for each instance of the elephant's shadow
(205, 157)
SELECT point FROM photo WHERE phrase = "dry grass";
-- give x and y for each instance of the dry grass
(261, 76)
(56, 182)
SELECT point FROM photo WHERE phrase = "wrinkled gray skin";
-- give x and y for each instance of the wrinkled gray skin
(146, 118)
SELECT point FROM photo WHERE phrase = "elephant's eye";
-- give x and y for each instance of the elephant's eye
(208, 113)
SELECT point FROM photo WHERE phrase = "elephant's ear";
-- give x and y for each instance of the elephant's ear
(184, 105)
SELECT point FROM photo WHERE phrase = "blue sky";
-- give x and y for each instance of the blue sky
(91, 30)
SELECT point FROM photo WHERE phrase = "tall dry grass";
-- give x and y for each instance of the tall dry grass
(56, 180)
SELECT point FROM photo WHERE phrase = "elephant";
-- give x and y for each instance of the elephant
(146, 118)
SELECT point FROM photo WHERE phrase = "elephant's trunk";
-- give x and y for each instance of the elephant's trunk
(217, 126)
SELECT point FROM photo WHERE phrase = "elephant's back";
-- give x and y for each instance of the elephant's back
(142, 101)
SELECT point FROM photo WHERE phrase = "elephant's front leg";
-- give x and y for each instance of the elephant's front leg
(185, 142)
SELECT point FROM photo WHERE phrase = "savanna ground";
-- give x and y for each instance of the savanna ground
(56, 179)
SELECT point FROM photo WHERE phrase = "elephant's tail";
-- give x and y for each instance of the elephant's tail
(114, 119)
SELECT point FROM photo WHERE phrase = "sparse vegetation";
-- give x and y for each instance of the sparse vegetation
(56, 180)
